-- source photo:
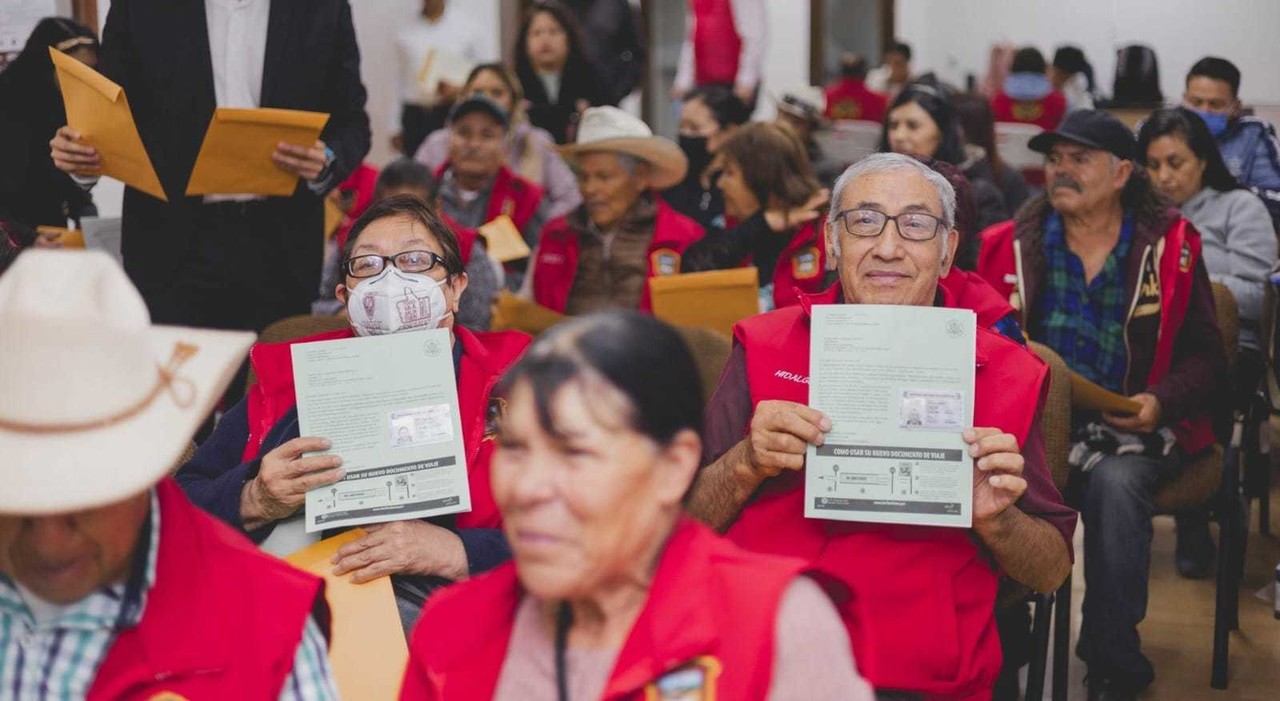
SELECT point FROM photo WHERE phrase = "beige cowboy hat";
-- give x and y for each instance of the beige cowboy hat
(96, 403)
(615, 131)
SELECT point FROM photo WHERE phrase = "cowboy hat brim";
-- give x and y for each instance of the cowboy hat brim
(51, 473)
(668, 162)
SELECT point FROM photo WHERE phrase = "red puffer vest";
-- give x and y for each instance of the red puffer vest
(716, 44)
(711, 605)
(222, 620)
(485, 356)
(1046, 113)
(801, 266)
(922, 612)
(510, 194)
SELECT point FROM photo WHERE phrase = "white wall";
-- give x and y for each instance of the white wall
(787, 64)
(953, 37)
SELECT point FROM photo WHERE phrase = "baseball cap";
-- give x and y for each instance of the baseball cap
(1093, 129)
(479, 103)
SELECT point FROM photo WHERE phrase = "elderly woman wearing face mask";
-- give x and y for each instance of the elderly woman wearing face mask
(614, 593)
(255, 470)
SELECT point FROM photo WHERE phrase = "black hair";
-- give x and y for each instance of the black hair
(576, 65)
(938, 105)
(1184, 123)
(899, 47)
(28, 84)
(419, 211)
(1217, 69)
(1028, 59)
(853, 66)
(725, 107)
(641, 357)
(401, 173)
(1070, 60)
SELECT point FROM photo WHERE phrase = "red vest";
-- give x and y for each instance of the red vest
(555, 264)
(922, 612)
(1046, 113)
(510, 194)
(485, 356)
(1171, 263)
(716, 44)
(361, 185)
(852, 99)
(801, 266)
(963, 289)
(222, 620)
(710, 603)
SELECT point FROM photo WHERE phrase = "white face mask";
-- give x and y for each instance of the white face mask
(393, 301)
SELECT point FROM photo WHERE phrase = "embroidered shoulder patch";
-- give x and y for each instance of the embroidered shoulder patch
(664, 261)
(695, 681)
(804, 264)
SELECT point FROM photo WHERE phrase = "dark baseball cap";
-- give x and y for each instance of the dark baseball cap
(1092, 129)
(479, 103)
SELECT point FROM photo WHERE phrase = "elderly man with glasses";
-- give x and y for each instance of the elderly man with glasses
(921, 602)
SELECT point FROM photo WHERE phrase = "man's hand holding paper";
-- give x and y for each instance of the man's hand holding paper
(781, 433)
(402, 547)
(303, 161)
(997, 473)
(284, 477)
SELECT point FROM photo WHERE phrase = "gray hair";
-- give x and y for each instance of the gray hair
(889, 163)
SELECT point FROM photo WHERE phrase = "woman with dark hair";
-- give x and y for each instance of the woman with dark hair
(614, 592)
(559, 81)
(772, 196)
(979, 128)
(1027, 96)
(708, 116)
(32, 191)
(922, 122)
(1072, 75)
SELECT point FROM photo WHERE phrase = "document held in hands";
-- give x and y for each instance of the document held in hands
(235, 158)
(897, 384)
(389, 405)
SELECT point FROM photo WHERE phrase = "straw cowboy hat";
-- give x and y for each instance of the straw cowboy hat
(96, 404)
(615, 131)
(803, 102)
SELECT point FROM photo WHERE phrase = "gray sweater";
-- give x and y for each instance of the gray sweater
(1239, 248)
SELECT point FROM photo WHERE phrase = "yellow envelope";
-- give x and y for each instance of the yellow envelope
(443, 66)
(333, 216)
(1087, 395)
(235, 157)
(99, 110)
(69, 238)
(503, 240)
(716, 299)
(511, 312)
(368, 651)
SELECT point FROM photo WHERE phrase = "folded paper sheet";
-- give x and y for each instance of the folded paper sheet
(235, 157)
(503, 240)
(715, 299)
(99, 110)
(368, 650)
(1087, 395)
(443, 66)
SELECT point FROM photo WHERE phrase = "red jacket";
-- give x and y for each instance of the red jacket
(510, 194)
(222, 620)
(555, 263)
(852, 99)
(710, 604)
(963, 289)
(1046, 113)
(716, 44)
(1173, 286)
(485, 356)
(922, 612)
(801, 266)
(360, 185)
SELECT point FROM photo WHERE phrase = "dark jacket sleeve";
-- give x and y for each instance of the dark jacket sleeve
(631, 53)
(1197, 374)
(215, 476)
(116, 52)
(486, 548)
(347, 132)
(725, 248)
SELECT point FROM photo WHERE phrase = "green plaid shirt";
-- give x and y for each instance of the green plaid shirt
(1084, 322)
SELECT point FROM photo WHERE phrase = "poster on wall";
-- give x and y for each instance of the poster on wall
(18, 18)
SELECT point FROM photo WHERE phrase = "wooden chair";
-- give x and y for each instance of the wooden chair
(710, 351)
(292, 327)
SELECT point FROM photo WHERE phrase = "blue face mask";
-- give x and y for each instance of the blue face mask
(1216, 121)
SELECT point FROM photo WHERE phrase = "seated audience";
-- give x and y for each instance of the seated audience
(922, 599)
(1072, 75)
(255, 470)
(800, 111)
(765, 168)
(1028, 96)
(530, 151)
(708, 116)
(978, 126)
(559, 81)
(1248, 144)
(614, 592)
(112, 585)
(602, 255)
(849, 97)
(1113, 279)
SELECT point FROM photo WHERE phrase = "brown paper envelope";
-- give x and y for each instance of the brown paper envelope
(715, 299)
(235, 157)
(69, 238)
(511, 312)
(368, 651)
(99, 110)
(503, 240)
(1087, 395)
(333, 216)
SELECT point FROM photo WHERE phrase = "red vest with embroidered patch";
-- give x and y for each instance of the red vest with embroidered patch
(221, 621)
(710, 605)
(716, 44)
(801, 266)
(555, 263)
(485, 356)
(509, 194)
(922, 612)
(964, 289)
(1046, 113)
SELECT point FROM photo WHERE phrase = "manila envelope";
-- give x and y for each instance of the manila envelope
(513, 312)
(368, 651)
(503, 240)
(716, 299)
(99, 110)
(235, 158)
(443, 66)
(1087, 395)
(69, 238)
(333, 217)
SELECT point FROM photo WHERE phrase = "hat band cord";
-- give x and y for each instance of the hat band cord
(181, 389)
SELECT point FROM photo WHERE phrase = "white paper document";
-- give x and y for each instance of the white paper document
(389, 405)
(897, 384)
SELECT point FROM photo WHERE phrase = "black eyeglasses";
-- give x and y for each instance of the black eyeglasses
(407, 262)
(869, 223)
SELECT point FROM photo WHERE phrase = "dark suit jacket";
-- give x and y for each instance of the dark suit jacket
(158, 50)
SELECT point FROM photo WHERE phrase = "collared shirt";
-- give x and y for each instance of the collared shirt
(50, 652)
(1085, 321)
(237, 48)
(454, 32)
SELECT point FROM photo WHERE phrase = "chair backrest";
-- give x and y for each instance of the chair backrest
(849, 140)
(1055, 421)
(710, 351)
(1228, 321)
(299, 326)
(1011, 143)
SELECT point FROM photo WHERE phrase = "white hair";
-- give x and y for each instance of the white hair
(889, 163)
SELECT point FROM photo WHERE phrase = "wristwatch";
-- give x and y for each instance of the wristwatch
(329, 158)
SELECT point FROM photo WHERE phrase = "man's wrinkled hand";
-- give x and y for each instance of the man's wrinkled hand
(780, 434)
(402, 547)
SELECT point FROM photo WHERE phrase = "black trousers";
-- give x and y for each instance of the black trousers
(417, 123)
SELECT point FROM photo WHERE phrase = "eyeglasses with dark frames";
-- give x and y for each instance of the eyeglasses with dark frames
(408, 262)
(869, 223)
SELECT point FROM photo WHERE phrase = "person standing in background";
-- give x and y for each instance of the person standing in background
(441, 28)
(725, 44)
(1072, 75)
(849, 97)
(559, 82)
(1028, 96)
(613, 42)
(894, 73)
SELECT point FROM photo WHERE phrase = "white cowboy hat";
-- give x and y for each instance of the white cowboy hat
(613, 130)
(802, 102)
(96, 404)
